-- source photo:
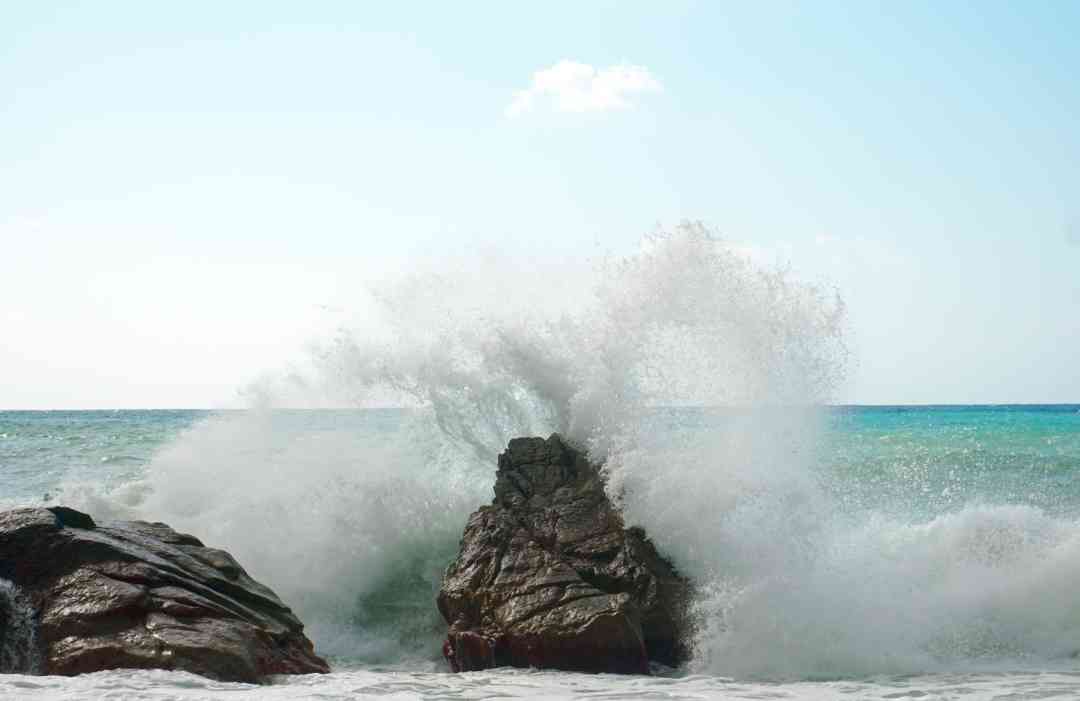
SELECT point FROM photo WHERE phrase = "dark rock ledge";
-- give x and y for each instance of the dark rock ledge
(548, 576)
(83, 597)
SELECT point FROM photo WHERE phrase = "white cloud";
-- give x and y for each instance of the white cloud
(569, 86)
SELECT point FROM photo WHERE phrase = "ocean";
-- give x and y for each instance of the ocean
(841, 552)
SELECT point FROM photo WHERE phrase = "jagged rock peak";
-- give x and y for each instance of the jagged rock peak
(548, 576)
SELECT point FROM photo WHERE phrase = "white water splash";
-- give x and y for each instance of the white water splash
(531, 684)
(686, 321)
(18, 632)
(353, 527)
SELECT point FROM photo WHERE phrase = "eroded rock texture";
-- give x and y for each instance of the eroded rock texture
(548, 577)
(133, 594)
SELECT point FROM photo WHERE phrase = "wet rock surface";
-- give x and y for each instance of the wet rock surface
(549, 577)
(132, 594)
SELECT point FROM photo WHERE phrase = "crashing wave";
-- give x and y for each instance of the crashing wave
(696, 376)
(18, 632)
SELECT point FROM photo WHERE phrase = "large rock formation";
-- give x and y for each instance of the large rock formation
(82, 597)
(548, 576)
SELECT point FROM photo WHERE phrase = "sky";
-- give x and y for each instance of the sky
(190, 193)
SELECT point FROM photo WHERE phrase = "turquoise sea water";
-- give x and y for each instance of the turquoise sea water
(943, 561)
(895, 458)
(927, 460)
(39, 450)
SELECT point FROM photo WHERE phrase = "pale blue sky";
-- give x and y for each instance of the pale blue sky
(182, 185)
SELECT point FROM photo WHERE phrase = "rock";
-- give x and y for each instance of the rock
(548, 576)
(131, 594)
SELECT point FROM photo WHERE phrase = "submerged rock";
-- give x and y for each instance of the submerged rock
(132, 594)
(548, 576)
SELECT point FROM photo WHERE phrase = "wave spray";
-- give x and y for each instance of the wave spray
(697, 377)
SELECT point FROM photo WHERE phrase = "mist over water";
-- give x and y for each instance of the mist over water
(697, 378)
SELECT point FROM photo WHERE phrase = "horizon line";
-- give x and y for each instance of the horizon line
(845, 405)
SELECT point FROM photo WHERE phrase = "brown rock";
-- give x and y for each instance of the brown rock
(548, 577)
(137, 594)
